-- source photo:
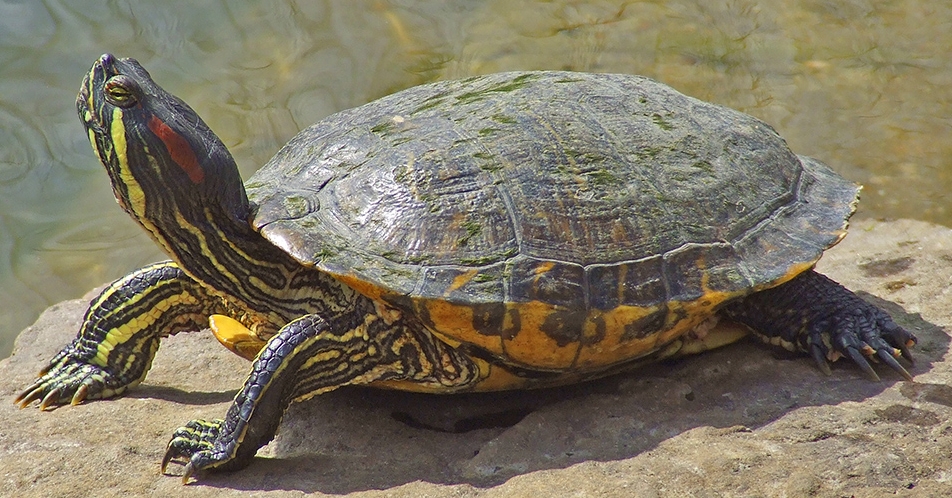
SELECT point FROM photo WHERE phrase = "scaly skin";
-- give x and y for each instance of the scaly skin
(815, 315)
(358, 350)
(113, 352)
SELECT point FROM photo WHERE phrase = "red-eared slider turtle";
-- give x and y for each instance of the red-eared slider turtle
(505, 231)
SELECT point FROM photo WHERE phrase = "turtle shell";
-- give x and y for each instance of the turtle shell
(560, 221)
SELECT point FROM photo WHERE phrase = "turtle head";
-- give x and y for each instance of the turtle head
(164, 162)
(179, 182)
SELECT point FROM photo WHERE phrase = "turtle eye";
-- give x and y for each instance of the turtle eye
(120, 91)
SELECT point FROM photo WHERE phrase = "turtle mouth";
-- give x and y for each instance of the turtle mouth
(83, 106)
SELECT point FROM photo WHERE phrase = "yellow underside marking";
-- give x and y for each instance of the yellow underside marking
(455, 325)
(605, 337)
(532, 347)
(494, 378)
(606, 342)
(619, 344)
(235, 336)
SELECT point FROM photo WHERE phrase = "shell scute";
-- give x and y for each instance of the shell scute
(556, 221)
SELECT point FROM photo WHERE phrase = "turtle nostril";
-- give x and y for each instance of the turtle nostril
(107, 59)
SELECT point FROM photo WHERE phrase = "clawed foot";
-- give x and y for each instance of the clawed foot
(194, 446)
(866, 334)
(67, 380)
(814, 314)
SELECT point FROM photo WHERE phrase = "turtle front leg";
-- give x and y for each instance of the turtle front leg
(307, 357)
(813, 314)
(120, 335)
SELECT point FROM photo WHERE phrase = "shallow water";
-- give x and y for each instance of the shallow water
(864, 85)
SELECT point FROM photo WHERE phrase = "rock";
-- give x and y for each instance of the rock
(744, 420)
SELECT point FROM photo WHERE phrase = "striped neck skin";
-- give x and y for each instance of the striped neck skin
(175, 178)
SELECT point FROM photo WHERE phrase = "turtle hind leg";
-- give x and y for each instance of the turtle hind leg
(813, 314)
(310, 356)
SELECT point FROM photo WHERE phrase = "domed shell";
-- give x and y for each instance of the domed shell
(559, 220)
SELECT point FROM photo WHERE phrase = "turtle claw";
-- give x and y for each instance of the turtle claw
(50, 399)
(80, 395)
(813, 314)
(27, 397)
(862, 363)
(817, 353)
(169, 458)
(189, 470)
(70, 381)
(166, 460)
(904, 350)
(889, 358)
(194, 446)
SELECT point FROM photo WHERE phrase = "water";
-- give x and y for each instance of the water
(865, 85)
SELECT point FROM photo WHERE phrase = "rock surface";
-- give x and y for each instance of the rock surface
(743, 420)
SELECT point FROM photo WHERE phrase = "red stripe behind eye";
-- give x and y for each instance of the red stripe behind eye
(179, 149)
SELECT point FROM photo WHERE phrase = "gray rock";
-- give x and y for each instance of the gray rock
(744, 420)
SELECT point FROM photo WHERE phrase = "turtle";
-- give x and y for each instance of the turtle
(505, 231)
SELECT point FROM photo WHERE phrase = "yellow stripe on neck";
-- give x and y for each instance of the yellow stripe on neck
(136, 201)
(136, 196)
